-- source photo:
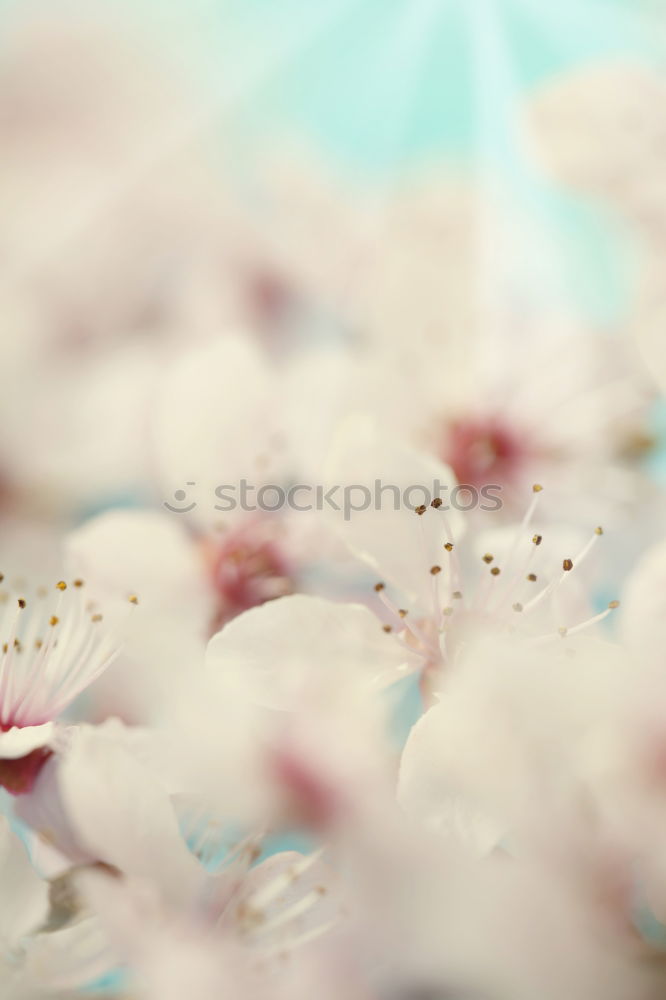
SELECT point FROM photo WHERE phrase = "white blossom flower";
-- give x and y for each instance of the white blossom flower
(38, 960)
(53, 646)
(600, 130)
(439, 592)
(297, 693)
(268, 924)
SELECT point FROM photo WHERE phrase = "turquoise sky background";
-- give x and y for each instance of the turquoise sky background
(380, 85)
(387, 80)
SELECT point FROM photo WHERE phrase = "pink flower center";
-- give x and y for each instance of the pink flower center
(484, 450)
(270, 297)
(248, 568)
(18, 775)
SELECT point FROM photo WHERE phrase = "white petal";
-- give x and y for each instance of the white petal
(580, 117)
(19, 742)
(123, 816)
(427, 792)
(515, 724)
(70, 958)
(651, 322)
(138, 551)
(153, 555)
(217, 423)
(643, 606)
(400, 546)
(292, 896)
(23, 895)
(300, 646)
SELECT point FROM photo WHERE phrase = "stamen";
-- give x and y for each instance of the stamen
(454, 566)
(522, 528)
(409, 626)
(41, 674)
(567, 566)
(302, 939)
(261, 898)
(434, 570)
(563, 631)
(290, 913)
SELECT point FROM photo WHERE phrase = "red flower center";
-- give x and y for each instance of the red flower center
(247, 569)
(484, 450)
(18, 775)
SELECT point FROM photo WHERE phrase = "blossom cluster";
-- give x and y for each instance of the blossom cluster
(268, 751)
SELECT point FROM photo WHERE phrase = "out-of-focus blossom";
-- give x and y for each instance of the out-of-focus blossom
(112, 255)
(599, 129)
(512, 730)
(565, 410)
(309, 725)
(602, 130)
(254, 931)
(210, 555)
(39, 959)
(160, 560)
(506, 392)
(122, 833)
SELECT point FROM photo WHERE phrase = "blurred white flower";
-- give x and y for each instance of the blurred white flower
(38, 960)
(602, 130)
(260, 930)
(293, 691)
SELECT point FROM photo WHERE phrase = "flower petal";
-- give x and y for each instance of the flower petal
(381, 475)
(301, 646)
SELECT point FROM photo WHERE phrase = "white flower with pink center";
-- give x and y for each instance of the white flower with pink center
(439, 588)
(53, 645)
